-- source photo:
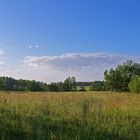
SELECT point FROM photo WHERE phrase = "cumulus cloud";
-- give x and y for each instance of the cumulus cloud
(85, 66)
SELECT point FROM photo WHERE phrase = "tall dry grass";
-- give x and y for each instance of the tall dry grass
(69, 116)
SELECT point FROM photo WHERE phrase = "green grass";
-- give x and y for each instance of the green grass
(69, 116)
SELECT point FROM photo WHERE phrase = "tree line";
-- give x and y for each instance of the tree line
(124, 78)
(69, 84)
(11, 84)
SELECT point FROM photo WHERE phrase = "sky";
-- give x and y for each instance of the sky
(49, 40)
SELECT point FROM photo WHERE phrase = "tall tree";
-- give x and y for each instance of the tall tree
(119, 78)
(69, 84)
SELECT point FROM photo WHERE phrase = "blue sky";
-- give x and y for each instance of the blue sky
(55, 28)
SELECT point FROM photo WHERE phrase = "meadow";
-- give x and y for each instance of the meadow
(69, 116)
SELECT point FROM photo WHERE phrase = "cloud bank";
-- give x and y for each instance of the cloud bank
(84, 66)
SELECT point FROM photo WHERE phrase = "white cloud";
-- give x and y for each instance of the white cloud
(33, 46)
(37, 46)
(29, 46)
(2, 52)
(85, 66)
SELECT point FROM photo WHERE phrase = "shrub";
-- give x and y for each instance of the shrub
(134, 85)
(97, 86)
(82, 89)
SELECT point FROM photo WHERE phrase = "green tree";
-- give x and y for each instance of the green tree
(69, 84)
(1, 84)
(134, 85)
(34, 86)
(112, 80)
(53, 87)
(119, 78)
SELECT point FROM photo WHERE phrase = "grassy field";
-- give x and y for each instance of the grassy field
(69, 116)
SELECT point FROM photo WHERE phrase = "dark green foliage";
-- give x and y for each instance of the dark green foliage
(113, 80)
(69, 84)
(1, 84)
(11, 84)
(119, 78)
(36, 86)
(97, 86)
(81, 84)
(134, 85)
(82, 88)
(53, 87)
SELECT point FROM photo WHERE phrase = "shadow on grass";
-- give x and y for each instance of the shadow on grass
(43, 128)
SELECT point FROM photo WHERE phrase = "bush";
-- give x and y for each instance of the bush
(134, 85)
(97, 86)
(82, 89)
